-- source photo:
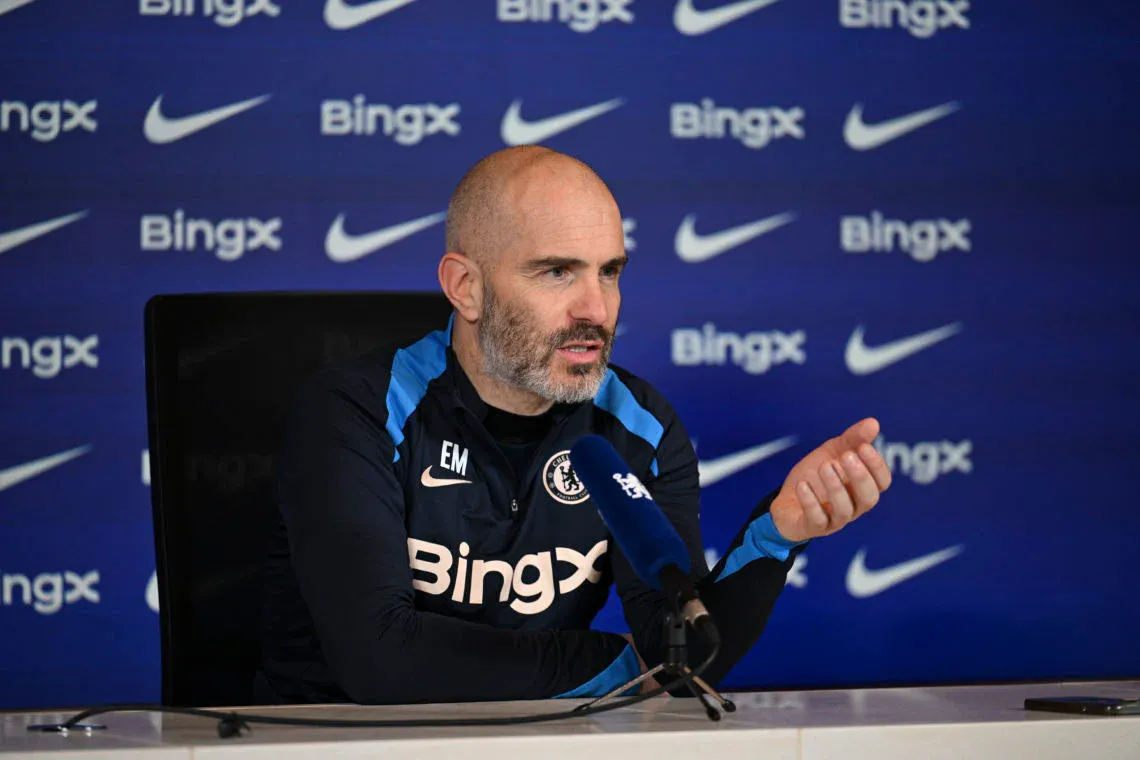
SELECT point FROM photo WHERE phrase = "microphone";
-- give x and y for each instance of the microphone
(645, 535)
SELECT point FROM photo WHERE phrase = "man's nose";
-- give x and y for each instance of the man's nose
(589, 302)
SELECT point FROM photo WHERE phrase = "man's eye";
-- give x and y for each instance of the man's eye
(556, 272)
(611, 271)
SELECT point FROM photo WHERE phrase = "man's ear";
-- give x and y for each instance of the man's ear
(461, 280)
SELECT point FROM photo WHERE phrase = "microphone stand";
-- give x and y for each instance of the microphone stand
(675, 664)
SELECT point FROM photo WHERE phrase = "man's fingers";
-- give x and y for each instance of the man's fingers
(847, 484)
(876, 465)
(842, 510)
(864, 490)
(863, 431)
(814, 514)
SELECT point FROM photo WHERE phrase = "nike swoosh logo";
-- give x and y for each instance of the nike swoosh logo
(712, 470)
(862, 582)
(432, 482)
(152, 592)
(691, 21)
(862, 136)
(516, 131)
(9, 240)
(11, 5)
(160, 129)
(340, 15)
(695, 248)
(342, 247)
(863, 360)
(14, 475)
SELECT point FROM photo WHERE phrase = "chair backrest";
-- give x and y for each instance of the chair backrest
(222, 370)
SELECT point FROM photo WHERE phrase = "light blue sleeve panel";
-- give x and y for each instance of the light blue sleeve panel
(760, 540)
(624, 668)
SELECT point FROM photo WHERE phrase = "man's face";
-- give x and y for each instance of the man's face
(550, 304)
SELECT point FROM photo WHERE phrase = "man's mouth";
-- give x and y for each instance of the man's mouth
(580, 351)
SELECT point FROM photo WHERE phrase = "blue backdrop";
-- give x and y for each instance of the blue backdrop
(916, 210)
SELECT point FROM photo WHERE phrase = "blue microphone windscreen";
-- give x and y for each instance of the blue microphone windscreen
(645, 535)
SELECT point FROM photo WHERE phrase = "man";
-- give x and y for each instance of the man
(435, 544)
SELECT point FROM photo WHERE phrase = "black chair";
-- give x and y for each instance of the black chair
(221, 371)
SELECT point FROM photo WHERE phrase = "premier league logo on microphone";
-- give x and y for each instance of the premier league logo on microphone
(562, 482)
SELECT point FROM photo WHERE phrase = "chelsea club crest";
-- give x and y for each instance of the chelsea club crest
(561, 481)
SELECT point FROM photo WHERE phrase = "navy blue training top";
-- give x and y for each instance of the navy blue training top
(415, 558)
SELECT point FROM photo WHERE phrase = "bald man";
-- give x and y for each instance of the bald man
(435, 545)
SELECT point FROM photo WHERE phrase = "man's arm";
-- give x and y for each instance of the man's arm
(344, 511)
(741, 590)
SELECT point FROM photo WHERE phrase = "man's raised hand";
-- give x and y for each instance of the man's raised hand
(836, 483)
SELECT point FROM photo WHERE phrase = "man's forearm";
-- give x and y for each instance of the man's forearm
(426, 657)
(740, 593)
(381, 649)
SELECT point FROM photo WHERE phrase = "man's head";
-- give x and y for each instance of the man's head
(535, 246)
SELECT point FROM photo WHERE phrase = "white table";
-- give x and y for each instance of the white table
(944, 722)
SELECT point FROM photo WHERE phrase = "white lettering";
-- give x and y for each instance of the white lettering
(922, 18)
(925, 462)
(752, 127)
(453, 457)
(541, 587)
(754, 352)
(225, 13)
(47, 356)
(47, 119)
(584, 569)
(923, 239)
(228, 239)
(48, 593)
(580, 15)
(438, 568)
(480, 569)
(531, 578)
(406, 124)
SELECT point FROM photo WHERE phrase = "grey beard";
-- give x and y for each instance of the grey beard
(513, 355)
